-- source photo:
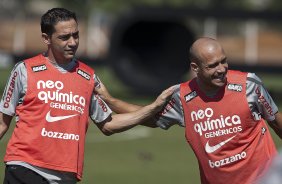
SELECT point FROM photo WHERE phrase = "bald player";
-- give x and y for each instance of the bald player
(224, 113)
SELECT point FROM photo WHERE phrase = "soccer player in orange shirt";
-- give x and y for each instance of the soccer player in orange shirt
(52, 96)
(224, 113)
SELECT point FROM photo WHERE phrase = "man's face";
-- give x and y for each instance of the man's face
(64, 41)
(213, 69)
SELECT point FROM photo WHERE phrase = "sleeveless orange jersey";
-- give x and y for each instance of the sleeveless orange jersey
(230, 145)
(53, 118)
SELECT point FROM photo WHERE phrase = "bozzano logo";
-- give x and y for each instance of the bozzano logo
(59, 135)
(10, 90)
(228, 160)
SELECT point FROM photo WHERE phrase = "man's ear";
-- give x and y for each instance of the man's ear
(46, 39)
(194, 67)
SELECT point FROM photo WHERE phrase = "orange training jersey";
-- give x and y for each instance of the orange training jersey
(53, 118)
(230, 145)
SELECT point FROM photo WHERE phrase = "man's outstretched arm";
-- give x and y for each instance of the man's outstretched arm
(117, 105)
(276, 124)
(5, 121)
(122, 122)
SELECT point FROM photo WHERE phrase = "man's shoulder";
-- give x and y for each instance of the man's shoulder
(34, 58)
(252, 78)
(85, 70)
(249, 75)
(83, 64)
(236, 76)
(237, 72)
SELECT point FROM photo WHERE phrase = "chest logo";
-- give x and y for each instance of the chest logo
(39, 68)
(235, 87)
(190, 96)
(211, 149)
(83, 74)
(50, 118)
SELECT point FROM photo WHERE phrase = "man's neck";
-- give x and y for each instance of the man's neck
(62, 66)
(209, 91)
(55, 61)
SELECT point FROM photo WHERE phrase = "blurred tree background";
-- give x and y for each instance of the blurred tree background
(113, 6)
(135, 44)
(83, 7)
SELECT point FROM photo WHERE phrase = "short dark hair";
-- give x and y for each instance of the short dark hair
(52, 17)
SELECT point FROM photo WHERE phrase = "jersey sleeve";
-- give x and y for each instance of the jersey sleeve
(15, 89)
(172, 113)
(260, 102)
(99, 110)
(97, 81)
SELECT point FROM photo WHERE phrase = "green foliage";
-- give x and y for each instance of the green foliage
(4, 75)
(275, 4)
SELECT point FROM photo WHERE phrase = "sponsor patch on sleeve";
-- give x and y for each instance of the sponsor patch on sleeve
(235, 87)
(170, 105)
(190, 96)
(83, 74)
(10, 90)
(39, 68)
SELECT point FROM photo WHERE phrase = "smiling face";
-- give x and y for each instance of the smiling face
(64, 41)
(210, 64)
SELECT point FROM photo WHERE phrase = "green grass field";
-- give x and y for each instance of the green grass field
(141, 155)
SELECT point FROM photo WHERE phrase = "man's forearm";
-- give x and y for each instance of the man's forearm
(276, 125)
(3, 130)
(5, 121)
(122, 122)
(119, 106)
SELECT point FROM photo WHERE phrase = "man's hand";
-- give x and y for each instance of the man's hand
(164, 97)
(103, 92)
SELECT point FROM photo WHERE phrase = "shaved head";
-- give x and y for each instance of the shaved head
(209, 62)
(202, 48)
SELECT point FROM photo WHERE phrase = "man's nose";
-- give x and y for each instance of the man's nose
(72, 41)
(222, 67)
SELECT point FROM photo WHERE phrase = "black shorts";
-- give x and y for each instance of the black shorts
(16, 174)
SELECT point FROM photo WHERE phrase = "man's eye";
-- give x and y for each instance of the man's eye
(75, 36)
(64, 38)
(212, 66)
(224, 61)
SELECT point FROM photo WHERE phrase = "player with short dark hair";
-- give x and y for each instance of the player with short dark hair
(52, 97)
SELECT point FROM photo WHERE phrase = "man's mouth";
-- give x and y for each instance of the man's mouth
(220, 77)
(70, 51)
